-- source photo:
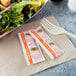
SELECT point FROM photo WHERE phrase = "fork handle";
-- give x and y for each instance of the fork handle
(70, 34)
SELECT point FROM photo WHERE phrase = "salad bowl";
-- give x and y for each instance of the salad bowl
(7, 32)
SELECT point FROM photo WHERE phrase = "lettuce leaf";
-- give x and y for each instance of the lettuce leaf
(17, 8)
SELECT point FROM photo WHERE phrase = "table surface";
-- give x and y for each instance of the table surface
(67, 20)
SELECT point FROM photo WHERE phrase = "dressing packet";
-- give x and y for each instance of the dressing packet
(31, 49)
(46, 43)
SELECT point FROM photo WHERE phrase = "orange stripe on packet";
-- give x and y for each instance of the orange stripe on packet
(26, 47)
(44, 43)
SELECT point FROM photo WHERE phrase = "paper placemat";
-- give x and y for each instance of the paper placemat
(12, 61)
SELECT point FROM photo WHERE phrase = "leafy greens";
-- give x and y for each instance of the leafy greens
(17, 14)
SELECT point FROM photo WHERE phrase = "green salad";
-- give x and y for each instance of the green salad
(15, 12)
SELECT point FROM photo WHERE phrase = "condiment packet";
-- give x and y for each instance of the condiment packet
(31, 49)
(46, 43)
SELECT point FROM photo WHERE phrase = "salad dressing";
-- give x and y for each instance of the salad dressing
(32, 51)
(46, 43)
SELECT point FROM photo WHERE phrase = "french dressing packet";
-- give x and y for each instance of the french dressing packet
(46, 43)
(31, 49)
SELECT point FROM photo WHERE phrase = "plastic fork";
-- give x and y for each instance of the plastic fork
(53, 29)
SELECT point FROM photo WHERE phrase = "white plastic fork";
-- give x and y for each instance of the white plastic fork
(53, 29)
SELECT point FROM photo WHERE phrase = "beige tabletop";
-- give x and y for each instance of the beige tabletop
(12, 61)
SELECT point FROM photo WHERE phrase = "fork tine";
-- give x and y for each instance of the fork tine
(44, 27)
(46, 24)
(43, 21)
(49, 22)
